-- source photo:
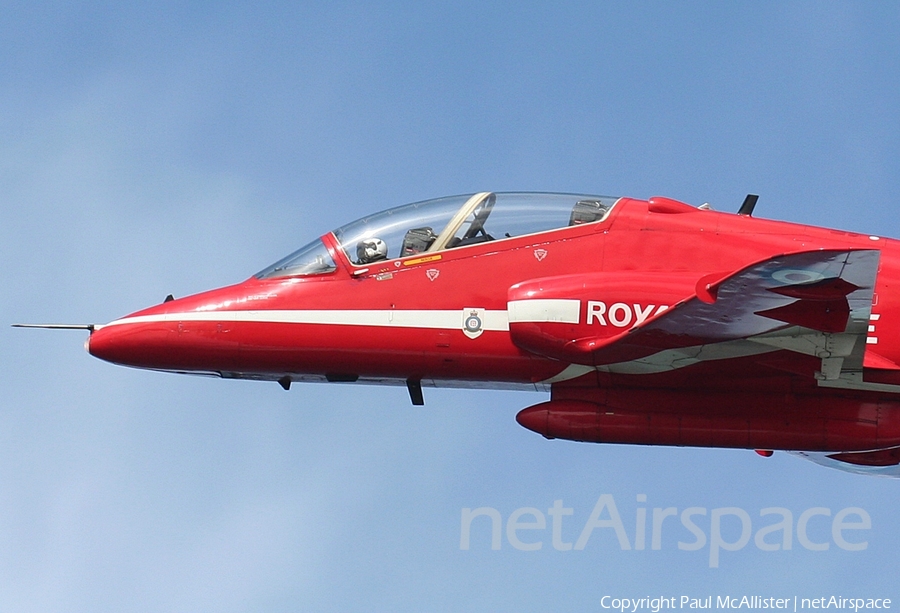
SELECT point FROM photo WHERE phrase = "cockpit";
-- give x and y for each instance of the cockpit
(436, 225)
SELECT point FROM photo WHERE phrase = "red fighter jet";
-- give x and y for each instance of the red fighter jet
(649, 322)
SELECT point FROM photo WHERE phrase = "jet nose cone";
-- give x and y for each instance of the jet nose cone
(105, 344)
(129, 344)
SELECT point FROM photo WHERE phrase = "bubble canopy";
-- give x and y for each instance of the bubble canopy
(444, 223)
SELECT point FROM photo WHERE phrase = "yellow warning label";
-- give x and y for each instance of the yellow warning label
(429, 258)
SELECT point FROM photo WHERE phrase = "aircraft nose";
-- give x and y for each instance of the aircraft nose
(136, 344)
(101, 344)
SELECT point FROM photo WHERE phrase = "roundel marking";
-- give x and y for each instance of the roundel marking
(795, 276)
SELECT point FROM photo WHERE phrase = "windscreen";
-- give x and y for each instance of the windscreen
(313, 259)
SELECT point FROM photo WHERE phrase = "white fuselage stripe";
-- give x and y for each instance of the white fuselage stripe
(494, 321)
(544, 310)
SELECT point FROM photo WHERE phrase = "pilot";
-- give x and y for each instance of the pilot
(371, 250)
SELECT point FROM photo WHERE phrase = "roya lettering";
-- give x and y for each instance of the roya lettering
(620, 314)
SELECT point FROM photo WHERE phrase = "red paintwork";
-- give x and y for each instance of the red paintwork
(655, 252)
(700, 418)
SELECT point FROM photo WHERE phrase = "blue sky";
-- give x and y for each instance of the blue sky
(180, 147)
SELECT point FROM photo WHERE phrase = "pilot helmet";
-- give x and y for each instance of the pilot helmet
(371, 250)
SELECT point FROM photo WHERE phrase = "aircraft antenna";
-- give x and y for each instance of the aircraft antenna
(749, 205)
